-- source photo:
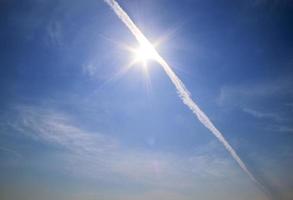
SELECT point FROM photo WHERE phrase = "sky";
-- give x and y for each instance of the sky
(77, 121)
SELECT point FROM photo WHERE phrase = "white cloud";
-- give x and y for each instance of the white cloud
(286, 129)
(262, 115)
(89, 69)
(281, 128)
(247, 93)
(97, 157)
(10, 151)
(55, 33)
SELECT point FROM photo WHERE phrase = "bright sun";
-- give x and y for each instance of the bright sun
(144, 53)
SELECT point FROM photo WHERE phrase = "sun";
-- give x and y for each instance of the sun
(144, 53)
(141, 54)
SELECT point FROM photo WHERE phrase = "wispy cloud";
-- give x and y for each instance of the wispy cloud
(262, 115)
(278, 179)
(56, 128)
(280, 128)
(10, 151)
(89, 69)
(261, 100)
(245, 93)
(286, 129)
(98, 156)
(55, 33)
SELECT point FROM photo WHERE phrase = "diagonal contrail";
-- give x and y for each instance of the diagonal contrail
(181, 89)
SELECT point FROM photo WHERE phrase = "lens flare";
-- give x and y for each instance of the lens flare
(144, 53)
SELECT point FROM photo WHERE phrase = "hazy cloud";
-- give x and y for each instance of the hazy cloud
(96, 156)
(55, 33)
(262, 115)
(247, 93)
(89, 69)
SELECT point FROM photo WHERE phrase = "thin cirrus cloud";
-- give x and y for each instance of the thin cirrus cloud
(57, 129)
(262, 115)
(98, 157)
(250, 92)
(55, 33)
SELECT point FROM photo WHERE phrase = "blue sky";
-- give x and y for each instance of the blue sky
(75, 125)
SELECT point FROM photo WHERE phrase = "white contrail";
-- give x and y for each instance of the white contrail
(181, 89)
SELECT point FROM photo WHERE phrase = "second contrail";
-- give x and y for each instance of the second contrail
(181, 89)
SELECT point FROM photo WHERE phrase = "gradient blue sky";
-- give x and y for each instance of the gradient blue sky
(74, 125)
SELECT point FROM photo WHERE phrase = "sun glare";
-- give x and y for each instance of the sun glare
(144, 53)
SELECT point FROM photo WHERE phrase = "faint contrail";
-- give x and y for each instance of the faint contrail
(181, 89)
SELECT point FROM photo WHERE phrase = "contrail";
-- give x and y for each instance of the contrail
(181, 89)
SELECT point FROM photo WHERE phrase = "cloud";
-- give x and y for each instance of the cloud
(89, 69)
(57, 129)
(280, 128)
(262, 115)
(286, 129)
(275, 168)
(249, 93)
(55, 33)
(99, 158)
(265, 100)
(10, 151)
